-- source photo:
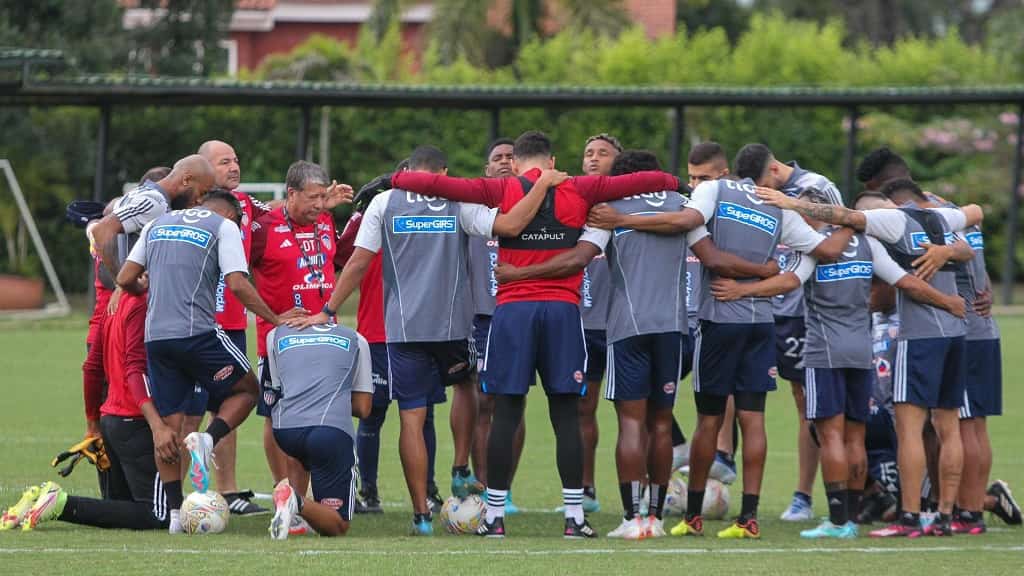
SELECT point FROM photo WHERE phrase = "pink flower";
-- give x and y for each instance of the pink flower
(1008, 118)
(984, 145)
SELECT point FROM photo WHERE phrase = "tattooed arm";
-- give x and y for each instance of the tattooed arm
(828, 213)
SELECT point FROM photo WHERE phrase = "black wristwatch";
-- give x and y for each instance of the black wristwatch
(327, 310)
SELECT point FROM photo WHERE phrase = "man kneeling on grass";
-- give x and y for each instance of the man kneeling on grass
(321, 375)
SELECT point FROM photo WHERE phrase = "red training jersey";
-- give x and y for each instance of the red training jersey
(230, 312)
(573, 199)
(119, 354)
(370, 315)
(293, 266)
(99, 311)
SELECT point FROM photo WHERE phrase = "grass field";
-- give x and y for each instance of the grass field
(42, 414)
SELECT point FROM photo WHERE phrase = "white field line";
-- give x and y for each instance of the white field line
(491, 552)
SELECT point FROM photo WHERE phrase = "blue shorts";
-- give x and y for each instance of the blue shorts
(645, 367)
(328, 454)
(597, 354)
(790, 334)
(834, 391)
(529, 337)
(419, 371)
(930, 372)
(881, 444)
(481, 327)
(730, 358)
(177, 366)
(201, 403)
(984, 390)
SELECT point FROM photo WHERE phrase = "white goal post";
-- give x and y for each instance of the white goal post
(54, 309)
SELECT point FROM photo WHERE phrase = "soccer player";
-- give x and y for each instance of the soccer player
(370, 324)
(533, 321)
(930, 364)
(293, 258)
(599, 153)
(322, 377)
(735, 340)
(232, 319)
(756, 161)
(427, 323)
(185, 252)
(191, 177)
(129, 426)
(838, 354)
(483, 257)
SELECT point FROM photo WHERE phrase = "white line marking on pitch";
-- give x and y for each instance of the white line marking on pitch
(580, 552)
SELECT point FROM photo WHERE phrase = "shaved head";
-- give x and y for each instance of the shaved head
(191, 177)
(222, 157)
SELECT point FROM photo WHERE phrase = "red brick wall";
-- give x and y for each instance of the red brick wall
(657, 16)
(253, 47)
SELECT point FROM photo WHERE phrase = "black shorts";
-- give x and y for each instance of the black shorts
(132, 474)
(790, 333)
(597, 354)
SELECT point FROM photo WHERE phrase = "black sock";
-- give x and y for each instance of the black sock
(911, 519)
(172, 490)
(508, 413)
(944, 518)
(417, 518)
(218, 429)
(853, 501)
(656, 503)
(694, 503)
(838, 507)
(563, 410)
(677, 433)
(461, 471)
(630, 494)
(749, 509)
(590, 492)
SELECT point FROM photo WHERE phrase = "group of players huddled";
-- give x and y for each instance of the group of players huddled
(879, 316)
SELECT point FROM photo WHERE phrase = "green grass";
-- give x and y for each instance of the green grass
(42, 414)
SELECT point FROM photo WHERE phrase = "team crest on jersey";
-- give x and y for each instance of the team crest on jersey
(773, 372)
(669, 388)
(326, 241)
(269, 397)
(882, 367)
(748, 217)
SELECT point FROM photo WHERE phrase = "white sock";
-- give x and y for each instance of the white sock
(572, 498)
(495, 504)
(175, 523)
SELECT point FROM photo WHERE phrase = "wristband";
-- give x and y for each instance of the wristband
(327, 310)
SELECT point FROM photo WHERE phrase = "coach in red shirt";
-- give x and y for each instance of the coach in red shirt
(536, 325)
(294, 250)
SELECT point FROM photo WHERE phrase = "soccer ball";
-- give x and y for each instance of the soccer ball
(716, 500)
(462, 515)
(675, 497)
(204, 513)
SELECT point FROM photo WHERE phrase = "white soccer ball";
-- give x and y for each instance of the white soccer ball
(462, 515)
(204, 513)
(675, 497)
(716, 500)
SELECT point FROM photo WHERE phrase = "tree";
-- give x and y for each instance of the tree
(89, 33)
(184, 40)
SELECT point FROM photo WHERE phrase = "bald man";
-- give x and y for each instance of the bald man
(232, 319)
(191, 177)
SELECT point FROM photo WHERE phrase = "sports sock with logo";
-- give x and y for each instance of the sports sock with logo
(495, 504)
(218, 429)
(572, 499)
(630, 494)
(838, 507)
(853, 503)
(656, 500)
